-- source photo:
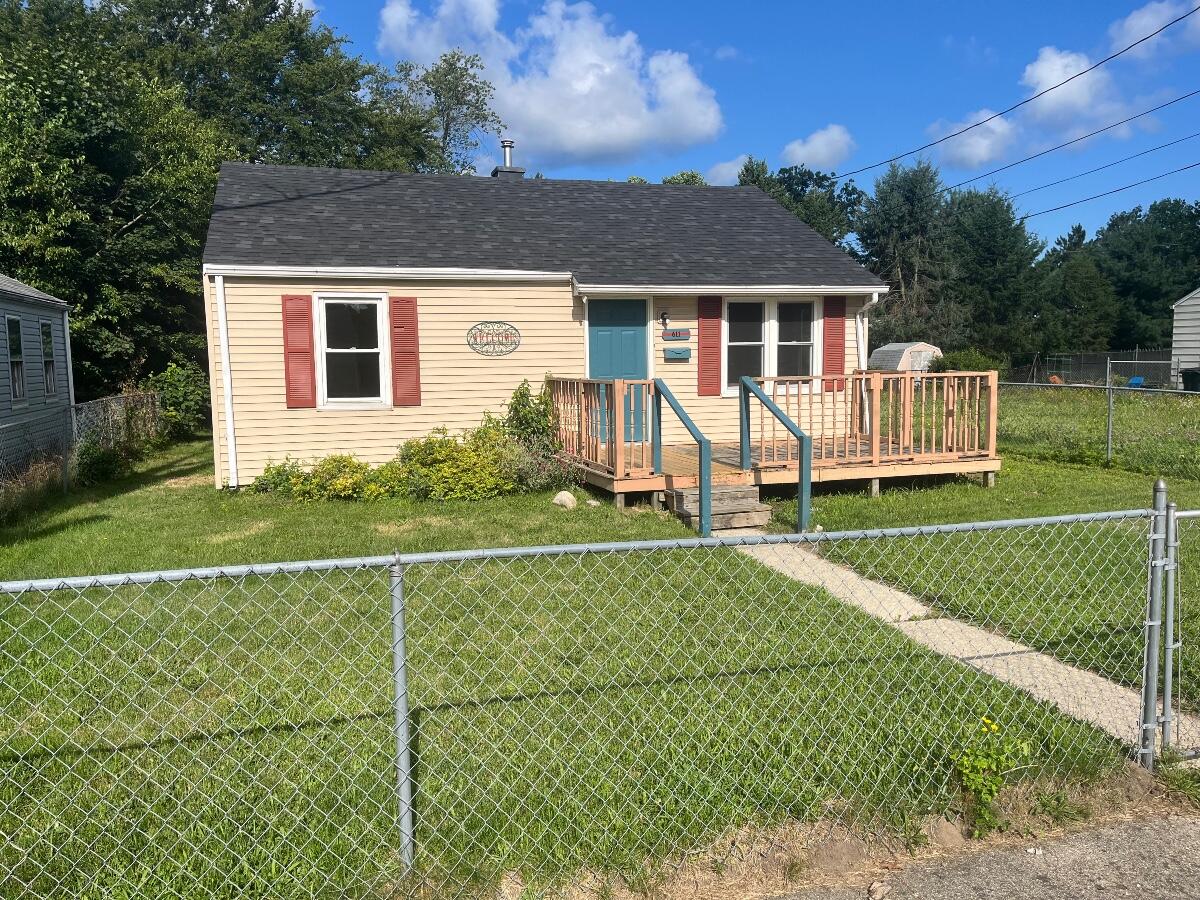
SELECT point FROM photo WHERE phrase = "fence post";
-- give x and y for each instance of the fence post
(1170, 641)
(1153, 633)
(1109, 390)
(400, 702)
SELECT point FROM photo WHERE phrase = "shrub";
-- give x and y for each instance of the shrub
(386, 481)
(338, 477)
(183, 392)
(94, 463)
(442, 467)
(969, 360)
(279, 478)
(529, 417)
(983, 764)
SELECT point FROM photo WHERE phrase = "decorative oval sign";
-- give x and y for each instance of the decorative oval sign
(493, 338)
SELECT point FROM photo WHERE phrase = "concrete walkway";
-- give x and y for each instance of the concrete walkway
(1081, 694)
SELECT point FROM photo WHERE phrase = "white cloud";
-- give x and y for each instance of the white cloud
(726, 172)
(1148, 19)
(569, 85)
(725, 53)
(980, 145)
(1090, 98)
(825, 148)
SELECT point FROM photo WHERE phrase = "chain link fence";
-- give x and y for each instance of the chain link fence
(1139, 429)
(485, 722)
(37, 453)
(1153, 366)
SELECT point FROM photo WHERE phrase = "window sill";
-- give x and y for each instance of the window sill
(354, 406)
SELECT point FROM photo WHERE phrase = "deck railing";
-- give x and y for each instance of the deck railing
(606, 424)
(871, 418)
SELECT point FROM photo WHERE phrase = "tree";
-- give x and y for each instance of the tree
(989, 255)
(106, 181)
(1152, 258)
(1077, 306)
(636, 179)
(687, 176)
(459, 103)
(814, 196)
(902, 233)
(279, 84)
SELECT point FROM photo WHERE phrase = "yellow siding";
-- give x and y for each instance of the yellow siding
(457, 385)
(717, 417)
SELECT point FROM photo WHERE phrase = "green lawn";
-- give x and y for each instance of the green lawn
(580, 713)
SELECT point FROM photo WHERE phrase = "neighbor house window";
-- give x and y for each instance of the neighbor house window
(352, 352)
(746, 327)
(16, 359)
(772, 338)
(48, 371)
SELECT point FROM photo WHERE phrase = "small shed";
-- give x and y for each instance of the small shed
(903, 356)
(1185, 337)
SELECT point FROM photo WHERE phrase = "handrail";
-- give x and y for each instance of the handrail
(704, 444)
(747, 387)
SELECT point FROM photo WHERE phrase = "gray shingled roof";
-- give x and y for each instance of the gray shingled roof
(601, 232)
(14, 288)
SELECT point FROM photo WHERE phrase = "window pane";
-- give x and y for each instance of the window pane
(47, 341)
(794, 360)
(745, 323)
(743, 361)
(795, 322)
(15, 349)
(16, 375)
(351, 325)
(352, 375)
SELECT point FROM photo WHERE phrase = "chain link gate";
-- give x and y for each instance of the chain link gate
(1180, 733)
(480, 722)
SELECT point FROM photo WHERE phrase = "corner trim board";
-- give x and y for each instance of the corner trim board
(226, 380)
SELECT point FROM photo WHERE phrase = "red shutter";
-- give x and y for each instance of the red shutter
(833, 350)
(406, 352)
(299, 357)
(708, 353)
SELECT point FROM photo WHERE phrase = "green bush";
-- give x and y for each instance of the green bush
(95, 463)
(338, 477)
(969, 360)
(443, 467)
(529, 418)
(386, 481)
(279, 478)
(183, 392)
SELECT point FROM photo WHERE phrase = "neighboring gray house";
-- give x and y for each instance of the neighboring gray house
(1185, 339)
(913, 356)
(36, 387)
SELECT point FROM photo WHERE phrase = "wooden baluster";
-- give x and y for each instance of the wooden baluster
(993, 380)
(876, 397)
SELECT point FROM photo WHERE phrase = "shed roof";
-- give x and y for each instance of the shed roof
(889, 356)
(603, 233)
(12, 288)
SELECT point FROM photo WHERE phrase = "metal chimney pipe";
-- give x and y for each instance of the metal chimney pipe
(507, 146)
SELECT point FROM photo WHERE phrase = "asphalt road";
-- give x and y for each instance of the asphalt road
(1158, 858)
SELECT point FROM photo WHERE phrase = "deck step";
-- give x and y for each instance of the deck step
(688, 499)
(722, 522)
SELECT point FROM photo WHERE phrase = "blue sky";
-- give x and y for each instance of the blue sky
(616, 87)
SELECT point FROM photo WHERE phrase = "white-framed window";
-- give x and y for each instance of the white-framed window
(352, 358)
(770, 337)
(49, 372)
(16, 358)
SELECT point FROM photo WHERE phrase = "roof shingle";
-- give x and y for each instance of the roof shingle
(602, 232)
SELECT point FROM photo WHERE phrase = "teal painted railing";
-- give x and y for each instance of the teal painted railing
(661, 392)
(746, 388)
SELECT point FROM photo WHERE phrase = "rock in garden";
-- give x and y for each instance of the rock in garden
(878, 890)
(593, 503)
(565, 499)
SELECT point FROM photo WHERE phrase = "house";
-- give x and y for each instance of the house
(911, 356)
(36, 389)
(1185, 336)
(349, 310)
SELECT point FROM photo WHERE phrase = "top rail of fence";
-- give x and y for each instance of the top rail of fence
(1098, 387)
(85, 582)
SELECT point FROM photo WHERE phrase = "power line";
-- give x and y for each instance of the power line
(1015, 106)
(1090, 134)
(1108, 193)
(1115, 162)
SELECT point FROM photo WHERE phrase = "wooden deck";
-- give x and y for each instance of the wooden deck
(870, 425)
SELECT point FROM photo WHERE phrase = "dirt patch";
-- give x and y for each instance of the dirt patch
(408, 526)
(187, 481)
(250, 530)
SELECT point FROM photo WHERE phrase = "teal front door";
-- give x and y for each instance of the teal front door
(618, 336)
